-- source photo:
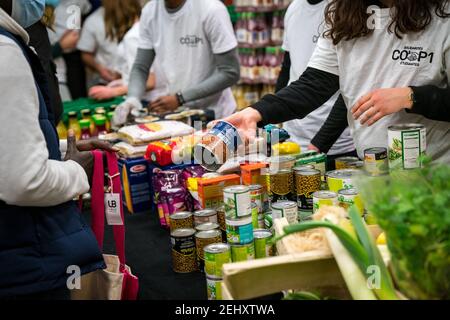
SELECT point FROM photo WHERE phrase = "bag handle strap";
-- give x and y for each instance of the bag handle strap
(98, 202)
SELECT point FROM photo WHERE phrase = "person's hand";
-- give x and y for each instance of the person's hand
(95, 144)
(85, 159)
(123, 110)
(164, 104)
(382, 102)
(102, 93)
(313, 148)
(246, 122)
(106, 74)
(69, 40)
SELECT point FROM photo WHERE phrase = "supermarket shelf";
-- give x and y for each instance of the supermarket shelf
(259, 46)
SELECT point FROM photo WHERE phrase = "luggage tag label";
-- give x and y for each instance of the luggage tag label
(112, 206)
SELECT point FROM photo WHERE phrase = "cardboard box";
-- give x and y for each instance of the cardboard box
(251, 173)
(210, 191)
(136, 184)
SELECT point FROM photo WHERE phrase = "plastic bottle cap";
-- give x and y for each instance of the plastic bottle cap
(85, 123)
(72, 114)
(86, 112)
(99, 120)
(110, 114)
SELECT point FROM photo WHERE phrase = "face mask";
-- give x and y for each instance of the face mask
(52, 3)
(27, 12)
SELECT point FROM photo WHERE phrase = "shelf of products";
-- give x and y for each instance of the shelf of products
(260, 66)
(259, 30)
(261, 5)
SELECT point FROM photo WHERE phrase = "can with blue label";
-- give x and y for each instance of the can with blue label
(216, 147)
(240, 230)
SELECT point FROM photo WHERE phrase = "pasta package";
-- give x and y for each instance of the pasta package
(148, 132)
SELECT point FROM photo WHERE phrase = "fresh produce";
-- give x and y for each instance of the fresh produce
(413, 208)
(362, 249)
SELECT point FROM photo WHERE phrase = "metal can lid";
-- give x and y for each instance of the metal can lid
(205, 213)
(325, 194)
(181, 233)
(308, 172)
(180, 215)
(407, 126)
(254, 187)
(348, 192)
(284, 205)
(207, 226)
(236, 189)
(208, 234)
(344, 173)
(241, 221)
(279, 172)
(280, 159)
(262, 234)
(347, 159)
(377, 150)
(217, 248)
(304, 167)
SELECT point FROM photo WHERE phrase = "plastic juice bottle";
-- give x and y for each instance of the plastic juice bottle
(260, 64)
(252, 29)
(85, 125)
(277, 32)
(273, 71)
(87, 115)
(243, 62)
(252, 66)
(62, 130)
(74, 125)
(100, 111)
(266, 66)
(241, 32)
(263, 29)
(100, 125)
(109, 117)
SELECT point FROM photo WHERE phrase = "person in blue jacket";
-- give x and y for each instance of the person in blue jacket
(42, 234)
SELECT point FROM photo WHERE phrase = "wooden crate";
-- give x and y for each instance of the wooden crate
(313, 271)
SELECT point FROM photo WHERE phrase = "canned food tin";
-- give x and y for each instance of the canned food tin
(358, 165)
(376, 161)
(207, 226)
(181, 220)
(349, 197)
(216, 255)
(343, 162)
(341, 179)
(184, 257)
(240, 231)
(307, 182)
(221, 218)
(261, 222)
(255, 216)
(281, 163)
(324, 198)
(237, 201)
(256, 196)
(214, 288)
(217, 146)
(204, 216)
(304, 167)
(285, 209)
(319, 161)
(202, 239)
(268, 220)
(242, 252)
(406, 144)
(263, 247)
(279, 185)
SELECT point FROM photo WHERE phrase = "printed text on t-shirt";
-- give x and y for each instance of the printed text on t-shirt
(412, 56)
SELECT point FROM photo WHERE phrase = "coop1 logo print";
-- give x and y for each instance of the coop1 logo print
(412, 56)
(192, 41)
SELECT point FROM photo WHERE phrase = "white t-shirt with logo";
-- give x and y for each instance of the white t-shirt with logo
(185, 43)
(382, 60)
(304, 23)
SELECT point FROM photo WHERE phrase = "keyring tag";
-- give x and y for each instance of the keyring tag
(112, 205)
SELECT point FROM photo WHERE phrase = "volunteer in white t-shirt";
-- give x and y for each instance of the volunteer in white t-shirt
(195, 45)
(303, 25)
(395, 71)
(98, 51)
